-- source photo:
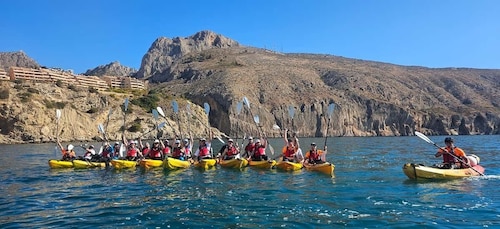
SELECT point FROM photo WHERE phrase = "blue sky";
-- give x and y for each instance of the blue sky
(82, 34)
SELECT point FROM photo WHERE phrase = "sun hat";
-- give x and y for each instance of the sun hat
(70, 147)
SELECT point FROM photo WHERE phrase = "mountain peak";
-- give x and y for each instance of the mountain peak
(164, 51)
(112, 69)
(17, 59)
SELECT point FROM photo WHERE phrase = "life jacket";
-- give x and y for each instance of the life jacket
(132, 152)
(259, 151)
(250, 147)
(447, 158)
(88, 155)
(288, 151)
(166, 150)
(204, 151)
(187, 150)
(231, 151)
(145, 151)
(314, 156)
(107, 152)
(68, 155)
(155, 153)
(177, 152)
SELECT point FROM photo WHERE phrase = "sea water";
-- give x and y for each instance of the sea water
(369, 190)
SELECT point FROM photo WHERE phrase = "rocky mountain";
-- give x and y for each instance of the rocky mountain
(372, 98)
(111, 69)
(17, 59)
(165, 52)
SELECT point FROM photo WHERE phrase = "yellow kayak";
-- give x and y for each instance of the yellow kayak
(325, 168)
(288, 166)
(150, 163)
(262, 164)
(234, 163)
(81, 164)
(205, 163)
(417, 171)
(174, 164)
(123, 164)
(58, 164)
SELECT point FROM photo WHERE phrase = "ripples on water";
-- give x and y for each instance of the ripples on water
(369, 190)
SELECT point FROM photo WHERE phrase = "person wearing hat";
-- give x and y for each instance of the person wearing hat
(178, 151)
(259, 151)
(230, 151)
(187, 147)
(453, 157)
(249, 148)
(133, 153)
(204, 149)
(166, 148)
(89, 154)
(314, 155)
(116, 150)
(107, 153)
(68, 154)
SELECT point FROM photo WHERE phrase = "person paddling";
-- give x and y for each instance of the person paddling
(291, 149)
(230, 151)
(451, 155)
(259, 151)
(204, 150)
(133, 153)
(107, 153)
(249, 148)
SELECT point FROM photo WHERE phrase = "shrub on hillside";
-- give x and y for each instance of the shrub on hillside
(93, 90)
(59, 83)
(92, 110)
(148, 102)
(51, 104)
(4, 93)
(25, 97)
(136, 127)
(33, 90)
(18, 86)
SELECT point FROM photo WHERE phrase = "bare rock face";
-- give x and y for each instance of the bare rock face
(111, 69)
(164, 52)
(17, 59)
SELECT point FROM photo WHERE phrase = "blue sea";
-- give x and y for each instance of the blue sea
(369, 190)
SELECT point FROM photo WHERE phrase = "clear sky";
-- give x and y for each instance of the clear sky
(82, 34)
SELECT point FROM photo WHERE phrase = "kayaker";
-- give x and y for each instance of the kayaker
(156, 151)
(314, 155)
(166, 148)
(68, 154)
(178, 151)
(133, 153)
(453, 157)
(107, 153)
(290, 149)
(249, 148)
(187, 147)
(204, 149)
(145, 149)
(230, 151)
(89, 154)
(116, 150)
(259, 151)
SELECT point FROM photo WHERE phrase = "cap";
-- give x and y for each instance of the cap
(448, 139)
(117, 143)
(250, 138)
(157, 141)
(230, 140)
(257, 141)
(131, 142)
(203, 139)
(177, 141)
(186, 140)
(313, 144)
(91, 146)
(70, 147)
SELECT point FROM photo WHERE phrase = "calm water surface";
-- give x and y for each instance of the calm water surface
(369, 190)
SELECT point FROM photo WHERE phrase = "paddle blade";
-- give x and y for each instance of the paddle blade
(100, 128)
(58, 114)
(276, 127)
(155, 114)
(291, 111)
(239, 106)
(256, 119)
(207, 108)
(161, 125)
(160, 111)
(330, 109)
(175, 106)
(188, 109)
(423, 137)
(100, 150)
(246, 102)
(125, 105)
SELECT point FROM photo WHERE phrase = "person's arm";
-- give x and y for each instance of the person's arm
(140, 144)
(439, 153)
(285, 133)
(60, 145)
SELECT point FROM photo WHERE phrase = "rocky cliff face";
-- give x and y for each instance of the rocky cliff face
(164, 52)
(111, 69)
(17, 59)
(27, 114)
(373, 99)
